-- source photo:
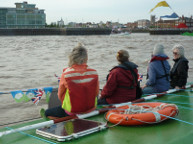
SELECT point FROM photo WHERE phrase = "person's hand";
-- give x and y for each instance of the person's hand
(143, 86)
(177, 87)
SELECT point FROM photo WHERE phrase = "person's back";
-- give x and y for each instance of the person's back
(158, 72)
(121, 85)
(78, 87)
(81, 83)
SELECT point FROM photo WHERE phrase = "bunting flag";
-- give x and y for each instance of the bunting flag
(160, 4)
(33, 95)
(48, 91)
(30, 94)
(174, 15)
(58, 78)
(18, 95)
(140, 78)
(38, 95)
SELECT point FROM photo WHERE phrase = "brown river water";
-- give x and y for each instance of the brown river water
(31, 62)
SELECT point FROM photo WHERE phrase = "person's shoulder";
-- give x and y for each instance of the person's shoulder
(116, 70)
(132, 64)
(91, 69)
(67, 70)
(184, 60)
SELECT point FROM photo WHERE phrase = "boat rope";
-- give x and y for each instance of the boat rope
(20, 121)
(173, 102)
(135, 109)
(165, 118)
(178, 119)
(23, 133)
(26, 90)
(173, 95)
(157, 121)
(188, 108)
(108, 120)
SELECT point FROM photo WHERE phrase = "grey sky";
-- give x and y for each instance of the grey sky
(105, 10)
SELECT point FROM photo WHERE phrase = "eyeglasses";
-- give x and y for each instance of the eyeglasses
(175, 53)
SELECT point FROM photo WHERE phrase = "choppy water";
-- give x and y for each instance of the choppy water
(32, 61)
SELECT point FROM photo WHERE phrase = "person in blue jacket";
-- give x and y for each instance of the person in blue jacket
(158, 71)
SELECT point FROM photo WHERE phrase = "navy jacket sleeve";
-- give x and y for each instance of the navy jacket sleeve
(182, 71)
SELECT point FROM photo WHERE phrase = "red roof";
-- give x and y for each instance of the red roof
(182, 25)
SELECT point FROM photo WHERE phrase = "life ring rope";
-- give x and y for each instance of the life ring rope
(157, 121)
(131, 110)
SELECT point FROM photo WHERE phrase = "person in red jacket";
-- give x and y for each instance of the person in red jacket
(78, 87)
(121, 84)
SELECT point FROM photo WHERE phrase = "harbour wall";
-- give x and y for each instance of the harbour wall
(169, 31)
(56, 31)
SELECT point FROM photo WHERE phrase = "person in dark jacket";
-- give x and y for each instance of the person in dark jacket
(158, 72)
(121, 85)
(179, 71)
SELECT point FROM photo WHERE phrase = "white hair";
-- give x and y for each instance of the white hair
(180, 49)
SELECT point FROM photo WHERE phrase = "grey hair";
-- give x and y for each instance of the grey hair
(180, 49)
(78, 55)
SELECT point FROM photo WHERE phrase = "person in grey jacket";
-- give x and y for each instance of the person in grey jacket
(179, 71)
(158, 79)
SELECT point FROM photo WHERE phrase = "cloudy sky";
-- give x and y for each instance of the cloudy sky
(105, 10)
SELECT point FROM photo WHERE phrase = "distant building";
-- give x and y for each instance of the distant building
(61, 23)
(186, 20)
(109, 24)
(152, 20)
(72, 24)
(132, 25)
(23, 16)
(143, 23)
(166, 23)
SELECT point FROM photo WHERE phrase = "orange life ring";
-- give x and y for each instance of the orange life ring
(163, 112)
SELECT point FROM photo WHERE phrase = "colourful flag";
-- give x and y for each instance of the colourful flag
(58, 78)
(38, 95)
(140, 78)
(48, 91)
(30, 94)
(18, 95)
(162, 3)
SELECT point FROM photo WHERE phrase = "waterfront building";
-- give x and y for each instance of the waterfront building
(23, 16)
(152, 19)
(132, 25)
(61, 23)
(188, 21)
(166, 23)
(144, 23)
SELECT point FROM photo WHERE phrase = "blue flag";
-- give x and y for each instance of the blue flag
(30, 94)
(48, 91)
(18, 95)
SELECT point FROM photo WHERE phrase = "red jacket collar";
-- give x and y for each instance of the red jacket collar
(158, 58)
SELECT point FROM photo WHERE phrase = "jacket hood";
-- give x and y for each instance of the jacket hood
(161, 57)
(131, 64)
